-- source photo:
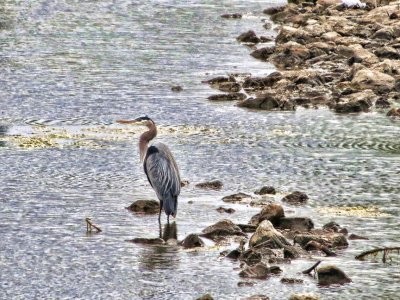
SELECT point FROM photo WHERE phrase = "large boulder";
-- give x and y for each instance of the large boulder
(328, 239)
(374, 80)
(267, 236)
(192, 241)
(263, 53)
(271, 212)
(295, 224)
(221, 229)
(356, 102)
(331, 275)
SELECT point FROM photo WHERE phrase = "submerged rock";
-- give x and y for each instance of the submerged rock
(225, 210)
(145, 206)
(295, 198)
(177, 88)
(227, 97)
(213, 185)
(266, 190)
(147, 241)
(304, 296)
(292, 280)
(205, 297)
(257, 297)
(328, 239)
(236, 197)
(260, 271)
(331, 275)
(249, 37)
(221, 229)
(268, 101)
(232, 16)
(271, 212)
(394, 112)
(192, 241)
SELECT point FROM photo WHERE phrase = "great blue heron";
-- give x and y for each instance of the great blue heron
(160, 167)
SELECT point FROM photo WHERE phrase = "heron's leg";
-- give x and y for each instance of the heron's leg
(167, 219)
(159, 214)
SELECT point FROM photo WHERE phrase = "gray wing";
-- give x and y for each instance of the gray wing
(162, 171)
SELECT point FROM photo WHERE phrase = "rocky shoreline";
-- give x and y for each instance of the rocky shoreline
(326, 55)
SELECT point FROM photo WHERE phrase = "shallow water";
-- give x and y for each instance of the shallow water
(76, 67)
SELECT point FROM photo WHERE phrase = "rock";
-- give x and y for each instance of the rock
(374, 80)
(219, 79)
(247, 227)
(394, 112)
(232, 16)
(270, 190)
(290, 54)
(359, 53)
(295, 224)
(385, 33)
(249, 37)
(236, 197)
(356, 103)
(267, 101)
(304, 296)
(331, 226)
(260, 83)
(213, 185)
(357, 237)
(260, 271)
(291, 34)
(205, 297)
(331, 275)
(267, 236)
(234, 254)
(176, 88)
(382, 102)
(246, 283)
(263, 53)
(192, 241)
(227, 97)
(328, 239)
(387, 52)
(295, 198)
(221, 229)
(145, 206)
(273, 10)
(265, 200)
(291, 280)
(147, 241)
(229, 87)
(251, 257)
(257, 297)
(225, 210)
(271, 212)
(184, 183)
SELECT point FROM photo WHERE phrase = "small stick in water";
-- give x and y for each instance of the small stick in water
(90, 225)
(308, 271)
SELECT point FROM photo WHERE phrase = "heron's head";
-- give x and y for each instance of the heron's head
(145, 121)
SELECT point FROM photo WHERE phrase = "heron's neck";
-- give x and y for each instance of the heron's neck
(144, 140)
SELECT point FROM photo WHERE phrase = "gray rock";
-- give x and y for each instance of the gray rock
(266, 190)
(328, 239)
(260, 271)
(295, 198)
(221, 229)
(192, 241)
(331, 275)
(267, 236)
(249, 37)
(213, 185)
(236, 197)
(295, 223)
(145, 206)
(227, 97)
(271, 212)
(205, 297)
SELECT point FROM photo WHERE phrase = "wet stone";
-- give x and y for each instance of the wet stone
(192, 241)
(304, 296)
(234, 254)
(292, 280)
(267, 236)
(147, 241)
(212, 185)
(246, 283)
(260, 271)
(328, 239)
(227, 97)
(236, 197)
(394, 112)
(331, 275)
(266, 190)
(272, 212)
(247, 227)
(357, 237)
(225, 210)
(145, 206)
(295, 198)
(257, 297)
(249, 37)
(263, 53)
(251, 257)
(177, 88)
(221, 229)
(232, 16)
(295, 223)
(205, 297)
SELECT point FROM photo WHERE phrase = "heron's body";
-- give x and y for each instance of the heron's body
(160, 168)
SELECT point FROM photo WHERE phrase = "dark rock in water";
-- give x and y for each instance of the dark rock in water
(267, 25)
(146, 241)
(260, 83)
(213, 185)
(257, 297)
(246, 283)
(328, 239)
(267, 101)
(292, 280)
(331, 275)
(382, 102)
(275, 270)
(304, 296)
(176, 88)
(295, 198)
(232, 16)
(394, 112)
(260, 271)
(221, 229)
(249, 37)
(219, 79)
(205, 297)
(192, 241)
(270, 190)
(236, 197)
(184, 183)
(331, 226)
(267, 236)
(273, 10)
(393, 16)
(226, 210)
(229, 87)
(247, 227)
(356, 103)
(227, 97)
(251, 257)
(357, 237)
(295, 224)
(145, 206)
(234, 254)
(263, 53)
(272, 212)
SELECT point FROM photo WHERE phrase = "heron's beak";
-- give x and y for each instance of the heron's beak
(136, 122)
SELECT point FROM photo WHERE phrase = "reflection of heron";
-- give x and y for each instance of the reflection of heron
(159, 166)
(170, 232)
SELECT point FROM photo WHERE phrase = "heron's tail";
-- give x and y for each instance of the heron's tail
(170, 206)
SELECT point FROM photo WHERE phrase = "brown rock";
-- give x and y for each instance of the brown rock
(205, 297)
(357, 237)
(249, 37)
(266, 190)
(260, 271)
(267, 101)
(232, 16)
(273, 10)
(147, 241)
(236, 197)
(291, 34)
(356, 102)
(291, 280)
(271, 212)
(295, 198)
(328, 239)
(227, 97)
(331, 275)
(374, 80)
(145, 206)
(267, 236)
(256, 297)
(263, 53)
(394, 112)
(213, 185)
(192, 241)
(295, 224)
(304, 296)
(260, 83)
(221, 229)
(225, 210)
